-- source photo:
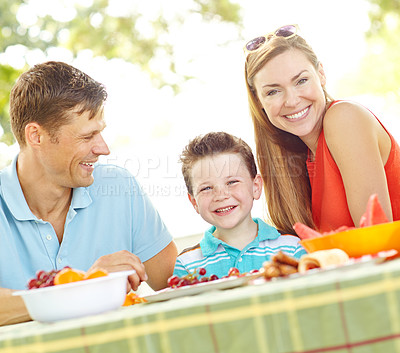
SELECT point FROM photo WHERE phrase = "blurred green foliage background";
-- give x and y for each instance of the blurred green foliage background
(94, 25)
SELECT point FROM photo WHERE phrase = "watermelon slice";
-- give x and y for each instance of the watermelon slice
(374, 214)
(305, 232)
(340, 229)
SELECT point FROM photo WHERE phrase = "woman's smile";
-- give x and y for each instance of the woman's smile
(299, 115)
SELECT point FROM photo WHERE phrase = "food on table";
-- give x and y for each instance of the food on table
(65, 275)
(305, 232)
(322, 259)
(233, 271)
(193, 277)
(97, 272)
(285, 259)
(373, 215)
(132, 298)
(280, 265)
(68, 275)
(202, 271)
(43, 279)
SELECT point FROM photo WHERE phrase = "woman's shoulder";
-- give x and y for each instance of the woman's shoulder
(347, 112)
(343, 119)
(351, 131)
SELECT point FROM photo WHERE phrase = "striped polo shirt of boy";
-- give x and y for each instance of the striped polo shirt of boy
(217, 257)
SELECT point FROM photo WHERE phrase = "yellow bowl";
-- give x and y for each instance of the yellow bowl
(360, 241)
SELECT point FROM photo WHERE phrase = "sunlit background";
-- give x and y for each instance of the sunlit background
(148, 126)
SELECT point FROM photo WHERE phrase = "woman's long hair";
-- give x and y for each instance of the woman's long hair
(281, 156)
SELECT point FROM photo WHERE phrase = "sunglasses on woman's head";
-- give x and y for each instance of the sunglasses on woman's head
(287, 32)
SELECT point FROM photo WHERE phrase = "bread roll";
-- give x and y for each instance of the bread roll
(322, 259)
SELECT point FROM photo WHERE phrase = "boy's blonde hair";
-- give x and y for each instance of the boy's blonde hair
(211, 144)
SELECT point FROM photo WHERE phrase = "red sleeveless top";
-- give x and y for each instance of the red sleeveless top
(329, 203)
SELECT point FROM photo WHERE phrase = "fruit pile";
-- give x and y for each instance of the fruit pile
(68, 275)
(65, 275)
(193, 277)
(43, 279)
(372, 216)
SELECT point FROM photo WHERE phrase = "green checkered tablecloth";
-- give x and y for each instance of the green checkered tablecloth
(354, 309)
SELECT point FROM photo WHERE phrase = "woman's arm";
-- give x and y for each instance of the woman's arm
(360, 147)
(12, 309)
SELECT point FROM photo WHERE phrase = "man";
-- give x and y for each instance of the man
(56, 207)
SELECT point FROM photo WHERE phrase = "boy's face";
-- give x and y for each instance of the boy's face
(223, 190)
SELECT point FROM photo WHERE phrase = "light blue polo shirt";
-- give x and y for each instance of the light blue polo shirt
(217, 257)
(110, 215)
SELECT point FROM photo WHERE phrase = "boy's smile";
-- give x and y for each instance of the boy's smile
(225, 210)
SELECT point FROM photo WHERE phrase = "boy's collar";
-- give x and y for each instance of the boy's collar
(209, 243)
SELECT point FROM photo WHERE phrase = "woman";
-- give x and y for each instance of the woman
(320, 159)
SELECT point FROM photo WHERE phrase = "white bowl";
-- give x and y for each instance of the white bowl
(76, 299)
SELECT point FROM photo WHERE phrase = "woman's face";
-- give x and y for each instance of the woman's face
(290, 91)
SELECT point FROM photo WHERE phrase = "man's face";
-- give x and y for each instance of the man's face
(68, 161)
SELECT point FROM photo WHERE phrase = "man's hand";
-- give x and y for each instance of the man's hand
(123, 261)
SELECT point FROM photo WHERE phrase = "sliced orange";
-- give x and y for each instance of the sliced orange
(132, 298)
(129, 299)
(68, 275)
(95, 273)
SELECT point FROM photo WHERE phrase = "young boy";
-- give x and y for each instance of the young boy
(222, 181)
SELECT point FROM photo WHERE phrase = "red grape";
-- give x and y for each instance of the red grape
(43, 279)
(202, 271)
(193, 277)
(173, 281)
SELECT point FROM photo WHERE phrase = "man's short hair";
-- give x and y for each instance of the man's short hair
(47, 92)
